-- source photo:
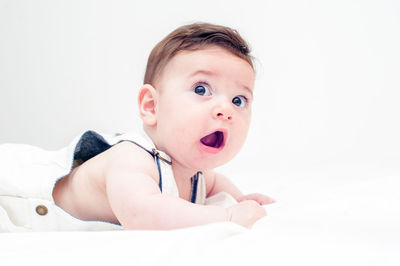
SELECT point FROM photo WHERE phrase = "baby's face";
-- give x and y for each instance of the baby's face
(203, 107)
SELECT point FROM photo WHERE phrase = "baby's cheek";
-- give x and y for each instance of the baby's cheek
(241, 129)
(181, 139)
(238, 139)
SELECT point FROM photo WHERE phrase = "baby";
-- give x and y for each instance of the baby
(196, 108)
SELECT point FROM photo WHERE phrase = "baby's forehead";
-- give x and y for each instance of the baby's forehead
(208, 62)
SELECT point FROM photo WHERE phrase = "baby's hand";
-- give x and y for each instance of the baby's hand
(260, 198)
(246, 213)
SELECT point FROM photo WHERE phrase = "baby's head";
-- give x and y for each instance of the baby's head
(196, 99)
(191, 38)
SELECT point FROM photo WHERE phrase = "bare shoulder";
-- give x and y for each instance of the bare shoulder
(83, 193)
(128, 156)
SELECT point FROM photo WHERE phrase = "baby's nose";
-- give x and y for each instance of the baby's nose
(223, 111)
(223, 116)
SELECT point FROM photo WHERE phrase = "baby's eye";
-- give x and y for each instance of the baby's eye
(202, 90)
(239, 101)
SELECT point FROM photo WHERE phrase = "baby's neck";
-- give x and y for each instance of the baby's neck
(183, 180)
(182, 173)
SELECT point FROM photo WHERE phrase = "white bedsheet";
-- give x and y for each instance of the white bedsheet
(355, 223)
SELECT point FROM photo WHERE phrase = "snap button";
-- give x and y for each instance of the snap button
(41, 210)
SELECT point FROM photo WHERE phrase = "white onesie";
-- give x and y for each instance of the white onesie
(28, 175)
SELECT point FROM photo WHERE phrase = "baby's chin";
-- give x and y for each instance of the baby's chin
(204, 163)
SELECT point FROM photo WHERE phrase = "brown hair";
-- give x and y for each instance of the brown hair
(193, 37)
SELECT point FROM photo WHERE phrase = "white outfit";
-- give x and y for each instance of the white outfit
(28, 175)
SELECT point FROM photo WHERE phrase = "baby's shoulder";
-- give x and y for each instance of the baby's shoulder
(128, 156)
(127, 152)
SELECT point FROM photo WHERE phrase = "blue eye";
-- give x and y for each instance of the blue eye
(239, 101)
(202, 90)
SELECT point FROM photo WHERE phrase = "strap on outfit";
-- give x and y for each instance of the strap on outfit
(92, 143)
(194, 179)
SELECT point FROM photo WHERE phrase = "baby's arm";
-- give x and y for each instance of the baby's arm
(147, 208)
(219, 183)
(137, 202)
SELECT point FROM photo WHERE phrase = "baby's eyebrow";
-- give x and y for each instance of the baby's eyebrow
(249, 90)
(205, 72)
(211, 73)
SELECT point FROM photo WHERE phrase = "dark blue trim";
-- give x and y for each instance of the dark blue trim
(195, 180)
(89, 145)
(159, 172)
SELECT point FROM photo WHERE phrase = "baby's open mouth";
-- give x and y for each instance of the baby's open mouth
(214, 140)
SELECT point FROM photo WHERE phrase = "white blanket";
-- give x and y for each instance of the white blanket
(355, 223)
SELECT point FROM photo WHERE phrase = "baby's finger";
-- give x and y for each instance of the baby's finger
(261, 198)
(266, 200)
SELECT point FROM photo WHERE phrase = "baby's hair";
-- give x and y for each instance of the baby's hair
(194, 37)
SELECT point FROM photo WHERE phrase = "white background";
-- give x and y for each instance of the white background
(327, 89)
(324, 140)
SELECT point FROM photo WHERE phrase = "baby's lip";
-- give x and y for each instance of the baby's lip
(213, 142)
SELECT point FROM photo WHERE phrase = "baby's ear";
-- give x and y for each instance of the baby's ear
(147, 101)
